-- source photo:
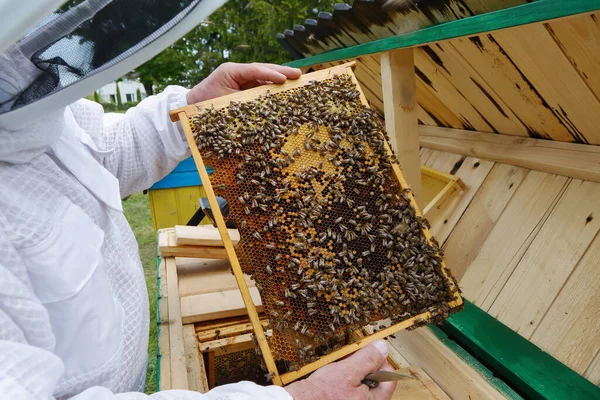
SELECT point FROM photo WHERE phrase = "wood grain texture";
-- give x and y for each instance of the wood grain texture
(478, 220)
(550, 259)
(434, 107)
(168, 247)
(484, 54)
(579, 39)
(570, 329)
(422, 387)
(456, 378)
(206, 235)
(196, 372)
(204, 275)
(164, 344)
(209, 306)
(444, 217)
(568, 159)
(511, 236)
(178, 360)
(592, 373)
(539, 58)
(400, 102)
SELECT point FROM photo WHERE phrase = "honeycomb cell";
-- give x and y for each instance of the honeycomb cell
(326, 230)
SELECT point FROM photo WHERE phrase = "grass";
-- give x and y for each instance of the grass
(137, 212)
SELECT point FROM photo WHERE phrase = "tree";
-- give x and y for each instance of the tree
(119, 101)
(138, 95)
(240, 31)
(96, 96)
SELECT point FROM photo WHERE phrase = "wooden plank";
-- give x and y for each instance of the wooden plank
(209, 306)
(434, 108)
(540, 59)
(511, 236)
(570, 330)
(228, 345)
(520, 15)
(477, 221)
(445, 90)
(169, 248)
(550, 259)
(445, 215)
(455, 377)
(420, 388)
(474, 88)
(206, 276)
(196, 372)
(579, 39)
(500, 72)
(178, 366)
(400, 102)
(223, 332)
(206, 235)
(592, 373)
(532, 371)
(164, 346)
(568, 159)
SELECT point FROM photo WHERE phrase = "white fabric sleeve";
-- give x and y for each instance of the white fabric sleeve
(145, 144)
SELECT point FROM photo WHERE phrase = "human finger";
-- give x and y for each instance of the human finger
(244, 73)
(289, 72)
(367, 360)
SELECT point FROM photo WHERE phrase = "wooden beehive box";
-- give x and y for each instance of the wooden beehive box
(319, 279)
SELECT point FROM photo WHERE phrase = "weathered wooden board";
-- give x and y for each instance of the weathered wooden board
(206, 235)
(593, 371)
(209, 306)
(420, 388)
(167, 246)
(203, 275)
(550, 259)
(511, 236)
(178, 360)
(570, 328)
(478, 220)
(196, 372)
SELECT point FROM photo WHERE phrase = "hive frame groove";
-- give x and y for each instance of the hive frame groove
(183, 115)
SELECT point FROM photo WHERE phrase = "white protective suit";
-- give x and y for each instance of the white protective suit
(73, 301)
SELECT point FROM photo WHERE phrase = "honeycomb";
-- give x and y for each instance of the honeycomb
(326, 230)
(237, 366)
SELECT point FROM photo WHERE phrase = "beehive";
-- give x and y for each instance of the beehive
(329, 229)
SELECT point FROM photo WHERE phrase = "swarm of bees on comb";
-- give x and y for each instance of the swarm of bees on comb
(327, 232)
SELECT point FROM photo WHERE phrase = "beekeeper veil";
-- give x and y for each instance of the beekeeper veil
(69, 49)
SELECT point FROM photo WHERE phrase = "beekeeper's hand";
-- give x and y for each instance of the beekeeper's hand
(231, 77)
(342, 380)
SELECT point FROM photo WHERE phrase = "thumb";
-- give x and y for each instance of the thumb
(368, 359)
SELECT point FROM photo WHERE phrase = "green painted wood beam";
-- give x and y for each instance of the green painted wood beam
(522, 364)
(541, 10)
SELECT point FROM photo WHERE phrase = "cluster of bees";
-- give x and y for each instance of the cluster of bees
(327, 232)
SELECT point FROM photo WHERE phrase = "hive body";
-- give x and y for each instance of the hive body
(327, 231)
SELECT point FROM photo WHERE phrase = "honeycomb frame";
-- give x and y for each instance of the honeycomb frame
(186, 116)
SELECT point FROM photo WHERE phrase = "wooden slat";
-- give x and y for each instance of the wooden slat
(570, 329)
(206, 276)
(228, 345)
(400, 102)
(448, 93)
(568, 159)
(511, 236)
(540, 59)
(196, 372)
(178, 362)
(523, 365)
(474, 88)
(223, 332)
(579, 39)
(169, 248)
(455, 377)
(492, 63)
(478, 220)
(208, 306)
(420, 388)
(521, 15)
(550, 259)
(164, 344)
(206, 235)
(444, 217)
(592, 373)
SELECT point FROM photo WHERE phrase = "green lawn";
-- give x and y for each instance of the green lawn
(137, 211)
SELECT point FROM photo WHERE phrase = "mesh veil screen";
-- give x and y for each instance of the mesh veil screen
(108, 36)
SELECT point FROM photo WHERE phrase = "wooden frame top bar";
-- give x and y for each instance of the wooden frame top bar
(538, 11)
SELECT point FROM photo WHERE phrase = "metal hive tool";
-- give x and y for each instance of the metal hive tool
(328, 227)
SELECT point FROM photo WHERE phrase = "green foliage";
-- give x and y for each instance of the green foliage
(96, 97)
(138, 95)
(240, 31)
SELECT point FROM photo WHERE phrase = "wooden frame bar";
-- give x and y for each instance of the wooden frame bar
(399, 87)
(538, 11)
(183, 115)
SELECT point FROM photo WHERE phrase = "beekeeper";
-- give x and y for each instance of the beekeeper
(73, 301)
